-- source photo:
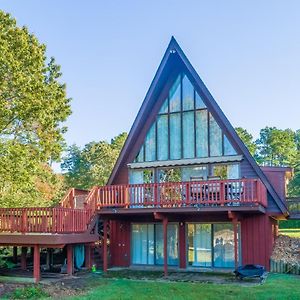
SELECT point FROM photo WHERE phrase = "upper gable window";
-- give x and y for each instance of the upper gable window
(184, 128)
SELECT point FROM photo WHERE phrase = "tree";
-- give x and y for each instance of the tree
(33, 106)
(276, 147)
(247, 138)
(93, 164)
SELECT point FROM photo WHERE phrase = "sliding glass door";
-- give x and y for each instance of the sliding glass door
(211, 245)
(147, 244)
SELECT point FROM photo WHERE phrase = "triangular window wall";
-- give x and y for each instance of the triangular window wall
(184, 128)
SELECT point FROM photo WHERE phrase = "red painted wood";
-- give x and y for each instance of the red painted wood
(104, 246)
(182, 245)
(70, 259)
(235, 237)
(165, 234)
(257, 239)
(36, 264)
(88, 258)
(244, 191)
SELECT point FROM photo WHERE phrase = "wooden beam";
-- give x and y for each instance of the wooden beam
(87, 253)
(104, 245)
(36, 264)
(23, 258)
(70, 259)
(165, 233)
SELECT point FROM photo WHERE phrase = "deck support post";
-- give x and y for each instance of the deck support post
(165, 233)
(235, 233)
(23, 258)
(36, 264)
(70, 259)
(15, 254)
(88, 260)
(104, 245)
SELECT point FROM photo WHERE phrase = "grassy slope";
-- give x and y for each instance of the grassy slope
(292, 232)
(276, 287)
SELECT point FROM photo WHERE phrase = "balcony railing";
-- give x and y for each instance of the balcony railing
(44, 220)
(240, 192)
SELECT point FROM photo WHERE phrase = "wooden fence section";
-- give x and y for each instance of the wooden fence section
(44, 220)
(283, 267)
(183, 194)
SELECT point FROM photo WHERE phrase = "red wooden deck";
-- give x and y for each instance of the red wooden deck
(213, 193)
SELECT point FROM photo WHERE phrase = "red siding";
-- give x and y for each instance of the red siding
(257, 237)
(277, 179)
(182, 245)
(120, 243)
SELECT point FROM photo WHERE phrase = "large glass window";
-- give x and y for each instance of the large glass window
(201, 134)
(211, 245)
(187, 94)
(184, 128)
(142, 244)
(226, 171)
(169, 175)
(215, 137)
(175, 95)
(162, 137)
(188, 135)
(194, 173)
(147, 246)
(175, 136)
(150, 149)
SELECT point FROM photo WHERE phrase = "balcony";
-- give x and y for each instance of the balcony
(212, 193)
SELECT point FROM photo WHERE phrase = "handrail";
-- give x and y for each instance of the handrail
(231, 192)
(44, 220)
(91, 199)
(68, 199)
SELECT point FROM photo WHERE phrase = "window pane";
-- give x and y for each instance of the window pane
(194, 173)
(169, 175)
(187, 94)
(174, 96)
(233, 171)
(223, 245)
(199, 102)
(175, 136)
(164, 108)
(201, 134)
(220, 171)
(188, 135)
(136, 176)
(162, 137)
(150, 144)
(228, 149)
(215, 137)
(200, 250)
(140, 156)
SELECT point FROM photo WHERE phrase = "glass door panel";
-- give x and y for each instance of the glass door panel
(200, 249)
(172, 244)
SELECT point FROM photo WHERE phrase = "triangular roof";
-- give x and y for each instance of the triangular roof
(149, 101)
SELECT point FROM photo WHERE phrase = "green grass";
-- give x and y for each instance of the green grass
(277, 286)
(291, 232)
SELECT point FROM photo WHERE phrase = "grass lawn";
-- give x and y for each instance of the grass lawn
(291, 232)
(277, 286)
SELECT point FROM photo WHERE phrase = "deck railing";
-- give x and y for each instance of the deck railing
(184, 194)
(44, 220)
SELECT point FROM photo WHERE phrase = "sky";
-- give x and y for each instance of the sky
(246, 52)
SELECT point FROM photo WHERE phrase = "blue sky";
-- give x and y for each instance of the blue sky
(246, 52)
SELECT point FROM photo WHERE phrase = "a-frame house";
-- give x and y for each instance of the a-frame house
(185, 191)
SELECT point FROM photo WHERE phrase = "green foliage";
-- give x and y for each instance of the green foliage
(276, 147)
(247, 138)
(93, 164)
(29, 292)
(33, 105)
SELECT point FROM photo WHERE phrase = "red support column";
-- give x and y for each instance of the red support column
(104, 245)
(15, 254)
(182, 245)
(70, 259)
(23, 258)
(36, 264)
(88, 260)
(235, 234)
(165, 230)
